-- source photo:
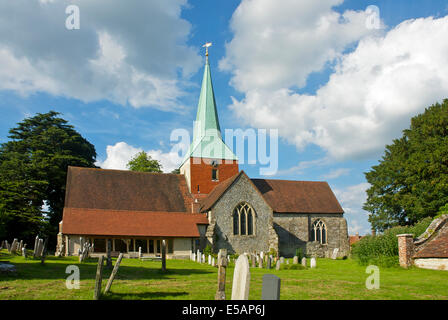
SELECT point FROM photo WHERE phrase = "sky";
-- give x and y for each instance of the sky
(337, 79)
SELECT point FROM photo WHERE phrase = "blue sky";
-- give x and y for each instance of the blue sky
(336, 84)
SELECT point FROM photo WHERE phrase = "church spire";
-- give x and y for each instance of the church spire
(207, 139)
(207, 115)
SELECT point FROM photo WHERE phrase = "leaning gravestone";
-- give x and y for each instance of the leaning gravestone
(335, 253)
(271, 287)
(222, 265)
(109, 254)
(313, 263)
(98, 279)
(304, 261)
(114, 272)
(277, 266)
(295, 260)
(241, 279)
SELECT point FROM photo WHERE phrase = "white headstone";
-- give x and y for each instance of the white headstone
(193, 256)
(213, 262)
(335, 253)
(282, 260)
(203, 258)
(209, 259)
(304, 261)
(241, 279)
(295, 260)
(313, 263)
(261, 255)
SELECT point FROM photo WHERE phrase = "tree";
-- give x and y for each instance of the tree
(144, 163)
(33, 170)
(176, 171)
(411, 180)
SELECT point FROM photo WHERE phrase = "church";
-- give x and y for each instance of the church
(210, 203)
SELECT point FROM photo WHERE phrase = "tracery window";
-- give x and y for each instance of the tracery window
(319, 232)
(243, 220)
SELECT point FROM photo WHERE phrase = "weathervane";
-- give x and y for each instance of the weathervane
(206, 45)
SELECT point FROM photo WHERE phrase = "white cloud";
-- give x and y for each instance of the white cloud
(352, 199)
(336, 173)
(119, 155)
(369, 98)
(277, 44)
(125, 51)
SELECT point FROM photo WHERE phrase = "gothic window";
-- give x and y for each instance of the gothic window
(319, 232)
(243, 220)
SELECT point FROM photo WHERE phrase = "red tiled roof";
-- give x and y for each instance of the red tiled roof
(126, 190)
(436, 247)
(354, 239)
(81, 221)
(298, 196)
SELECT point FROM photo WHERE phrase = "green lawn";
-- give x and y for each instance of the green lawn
(187, 280)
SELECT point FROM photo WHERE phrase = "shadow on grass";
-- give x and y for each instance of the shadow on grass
(141, 296)
(32, 269)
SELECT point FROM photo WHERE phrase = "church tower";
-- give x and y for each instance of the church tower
(209, 160)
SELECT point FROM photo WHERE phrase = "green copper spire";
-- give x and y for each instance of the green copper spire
(207, 139)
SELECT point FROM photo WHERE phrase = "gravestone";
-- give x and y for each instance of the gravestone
(198, 257)
(140, 252)
(24, 252)
(43, 254)
(203, 258)
(98, 279)
(20, 246)
(335, 253)
(282, 260)
(222, 265)
(260, 263)
(36, 241)
(313, 263)
(13, 246)
(261, 255)
(304, 261)
(253, 261)
(241, 279)
(213, 262)
(209, 260)
(287, 261)
(163, 255)
(271, 287)
(268, 263)
(295, 260)
(109, 254)
(40, 248)
(277, 266)
(193, 257)
(114, 272)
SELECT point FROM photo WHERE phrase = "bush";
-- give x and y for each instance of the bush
(292, 266)
(382, 250)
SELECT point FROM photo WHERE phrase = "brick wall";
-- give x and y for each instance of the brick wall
(201, 174)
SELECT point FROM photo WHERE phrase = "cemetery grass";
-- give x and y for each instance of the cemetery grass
(188, 280)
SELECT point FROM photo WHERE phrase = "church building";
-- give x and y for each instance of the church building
(211, 202)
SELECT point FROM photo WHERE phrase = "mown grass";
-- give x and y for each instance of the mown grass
(187, 280)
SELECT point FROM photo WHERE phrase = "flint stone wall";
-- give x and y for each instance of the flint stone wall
(264, 236)
(294, 232)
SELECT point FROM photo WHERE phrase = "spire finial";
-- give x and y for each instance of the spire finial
(206, 45)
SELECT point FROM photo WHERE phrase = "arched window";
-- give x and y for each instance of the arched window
(319, 232)
(243, 220)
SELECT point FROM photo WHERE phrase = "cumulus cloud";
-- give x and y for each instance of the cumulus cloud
(352, 199)
(129, 52)
(118, 156)
(336, 173)
(371, 94)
